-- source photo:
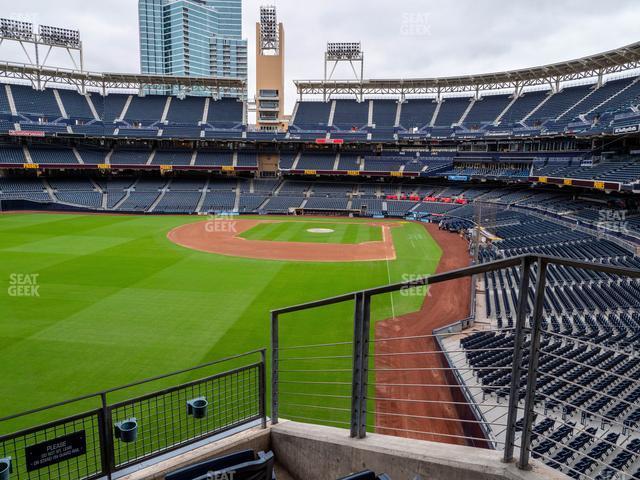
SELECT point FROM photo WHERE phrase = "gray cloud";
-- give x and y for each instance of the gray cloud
(403, 38)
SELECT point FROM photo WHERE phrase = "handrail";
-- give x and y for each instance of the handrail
(130, 385)
(533, 270)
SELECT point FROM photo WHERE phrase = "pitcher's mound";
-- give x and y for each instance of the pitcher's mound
(222, 237)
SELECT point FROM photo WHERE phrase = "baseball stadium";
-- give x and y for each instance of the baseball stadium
(428, 278)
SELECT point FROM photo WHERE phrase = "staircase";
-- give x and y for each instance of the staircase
(332, 113)
(435, 114)
(504, 112)
(472, 102)
(538, 107)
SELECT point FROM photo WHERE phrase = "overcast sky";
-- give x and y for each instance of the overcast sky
(401, 38)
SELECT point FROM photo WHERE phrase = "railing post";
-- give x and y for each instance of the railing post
(518, 340)
(364, 370)
(360, 365)
(108, 458)
(262, 388)
(534, 354)
(275, 345)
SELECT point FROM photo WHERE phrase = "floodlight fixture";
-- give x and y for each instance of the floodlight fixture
(344, 51)
(15, 29)
(269, 31)
(60, 37)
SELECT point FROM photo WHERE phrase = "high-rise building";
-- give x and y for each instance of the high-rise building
(270, 71)
(199, 38)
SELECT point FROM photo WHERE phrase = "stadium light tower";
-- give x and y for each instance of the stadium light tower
(343, 52)
(269, 31)
(270, 60)
(45, 41)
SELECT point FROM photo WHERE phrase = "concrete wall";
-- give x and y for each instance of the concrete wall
(313, 452)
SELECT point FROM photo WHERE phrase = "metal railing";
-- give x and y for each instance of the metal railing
(116, 435)
(343, 394)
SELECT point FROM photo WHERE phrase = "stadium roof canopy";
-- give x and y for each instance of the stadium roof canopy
(599, 65)
(41, 76)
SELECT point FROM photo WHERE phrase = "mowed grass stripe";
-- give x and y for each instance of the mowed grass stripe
(145, 306)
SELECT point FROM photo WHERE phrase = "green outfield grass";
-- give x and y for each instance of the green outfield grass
(299, 232)
(117, 301)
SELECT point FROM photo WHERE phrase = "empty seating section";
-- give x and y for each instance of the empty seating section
(559, 103)
(626, 98)
(332, 189)
(399, 208)
(186, 111)
(147, 109)
(417, 113)
(178, 202)
(250, 203)
(172, 157)
(138, 201)
(487, 109)
(223, 184)
(587, 390)
(23, 189)
(86, 199)
(624, 171)
(8, 185)
(92, 156)
(130, 157)
(53, 156)
(348, 162)
(597, 96)
(35, 103)
(319, 203)
(225, 113)
(137, 132)
(316, 161)
(523, 106)
(247, 160)
(451, 110)
(214, 159)
(180, 131)
(373, 207)
(110, 107)
(218, 201)
(94, 129)
(286, 161)
(4, 100)
(490, 171)
(75, 105)
(282, 204)
(10, 154)
(384, 113)
(312, 115)
(350, 114)
(582, 109)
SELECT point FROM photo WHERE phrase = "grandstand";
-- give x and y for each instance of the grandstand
(536, 171)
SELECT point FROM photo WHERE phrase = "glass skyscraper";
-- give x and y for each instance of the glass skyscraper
(199, 38)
